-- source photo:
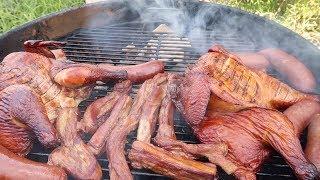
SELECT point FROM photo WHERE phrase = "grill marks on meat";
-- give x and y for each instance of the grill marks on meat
(250, 134)
(73, 156)
(235, 83)
(115, 143)
(17, 167)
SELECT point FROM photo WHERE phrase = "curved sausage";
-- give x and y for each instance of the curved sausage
(253, 60)
(300, 114)
(290, 67)
(312, 150)
(140, 72)
(16, 167)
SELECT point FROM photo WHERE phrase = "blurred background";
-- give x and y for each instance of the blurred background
(301, 16)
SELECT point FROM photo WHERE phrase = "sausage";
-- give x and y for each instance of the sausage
(289, 66)
(312, 150)
(301, 113)
(17, 167)
(140, 72)
(254, 61)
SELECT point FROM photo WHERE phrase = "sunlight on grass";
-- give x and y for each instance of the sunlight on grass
(16, 12)
(301, 16)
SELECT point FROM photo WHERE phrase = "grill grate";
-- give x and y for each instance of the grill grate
(132, 43)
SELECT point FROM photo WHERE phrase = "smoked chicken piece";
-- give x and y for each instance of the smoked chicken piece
(250, 135)
(190, 95)
(17, 167)
(115, 143)
(73, 155)
(23, 117)
(50, 83)
(97, 112)
(120, 111)
(313, 145)
(166, 139)
(233, 82)
(216, 104)
(146, 155)
(301, 113)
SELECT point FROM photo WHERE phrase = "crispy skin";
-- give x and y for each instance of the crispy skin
(190, 95)
(97, 112)
(16, 167)
(146, 155)
(22, 116)
(216, 104)
(73, 156)
(301, 113)
(313, 146)
(166, 139)
(116, 141)
(250, 134)
(233, 82)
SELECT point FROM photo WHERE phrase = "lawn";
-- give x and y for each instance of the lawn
(302, 16)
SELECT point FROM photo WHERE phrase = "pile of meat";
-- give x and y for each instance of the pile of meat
(239, 113)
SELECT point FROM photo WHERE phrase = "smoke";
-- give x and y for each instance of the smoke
(208, 24)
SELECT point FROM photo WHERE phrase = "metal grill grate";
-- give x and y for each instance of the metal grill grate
(132, 43)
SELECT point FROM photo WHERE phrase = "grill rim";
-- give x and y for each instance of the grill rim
(15, 37)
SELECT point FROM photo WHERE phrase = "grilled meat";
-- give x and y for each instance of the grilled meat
(250, 136)
(313, 146)
(73, 156)
(50, 83)
(146, 155)
(119, 112)
(116, 141)
(235, 83)
(97, 112)
(16, 167)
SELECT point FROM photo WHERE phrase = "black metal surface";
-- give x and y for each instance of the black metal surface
(102, 42)
(108, 44)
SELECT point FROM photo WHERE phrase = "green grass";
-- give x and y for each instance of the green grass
(16, 12)
(301, 16)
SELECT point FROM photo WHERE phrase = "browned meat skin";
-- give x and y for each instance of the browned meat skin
(235, 83)
(73, 156)
(300, 114)
(149, 114)
(250, 134)
(146, 155)
(97, 112)
(121, 110)
(313, 146)
(22, 116)
(190, 95)
(115, 143)
(299, 77)
(166, 139)
(16, 167)
(216, 104)
(138, 73)
(58, 83)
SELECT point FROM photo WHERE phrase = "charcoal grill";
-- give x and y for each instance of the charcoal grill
(119, 33)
